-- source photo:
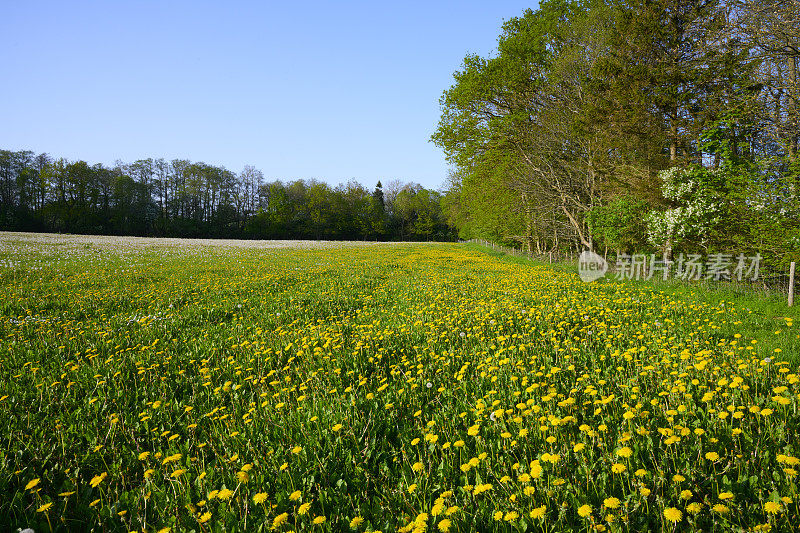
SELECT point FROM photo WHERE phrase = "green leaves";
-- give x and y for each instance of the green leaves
(619, 224)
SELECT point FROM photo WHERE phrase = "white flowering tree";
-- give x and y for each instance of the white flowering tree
(695, 212)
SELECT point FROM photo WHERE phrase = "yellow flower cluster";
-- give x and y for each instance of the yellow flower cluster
(389, 387)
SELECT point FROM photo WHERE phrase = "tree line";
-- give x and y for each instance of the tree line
(630, 126)
(181, 198)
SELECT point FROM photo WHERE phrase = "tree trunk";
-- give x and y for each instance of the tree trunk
(794, 116)
(673, 139)
(528, 224)
(586, 240)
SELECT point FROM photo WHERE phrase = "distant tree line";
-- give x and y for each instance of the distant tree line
(180, 198)
(632, 125)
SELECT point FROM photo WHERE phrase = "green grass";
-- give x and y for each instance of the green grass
(764, 315)
(388, 387)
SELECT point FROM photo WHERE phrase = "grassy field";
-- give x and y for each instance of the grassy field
(762, 315)
(149, 385)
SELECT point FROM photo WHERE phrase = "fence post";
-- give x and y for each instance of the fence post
(791, 284)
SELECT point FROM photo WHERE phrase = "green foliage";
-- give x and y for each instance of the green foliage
(620, 224)
(418, 214)
(182, 198)
(558, 134)
(486, 119)
(742, 203)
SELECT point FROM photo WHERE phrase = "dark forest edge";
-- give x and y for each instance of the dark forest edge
(180, 198)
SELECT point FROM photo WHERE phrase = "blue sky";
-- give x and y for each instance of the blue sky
(323, 90)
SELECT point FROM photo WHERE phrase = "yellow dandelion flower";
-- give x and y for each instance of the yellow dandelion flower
(536, 469)
(673, 515)
(538, 512)
(279, 520)
(611, 503)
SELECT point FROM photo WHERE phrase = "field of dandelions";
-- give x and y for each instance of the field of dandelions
(188, 386)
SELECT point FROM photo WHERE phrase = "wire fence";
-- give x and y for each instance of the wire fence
(555, 256)
(764, 281)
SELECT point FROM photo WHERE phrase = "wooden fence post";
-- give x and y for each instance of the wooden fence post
(791, 284)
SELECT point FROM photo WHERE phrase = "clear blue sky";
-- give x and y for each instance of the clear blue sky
(325, 90)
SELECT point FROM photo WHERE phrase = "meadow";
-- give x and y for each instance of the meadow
(192, 386)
